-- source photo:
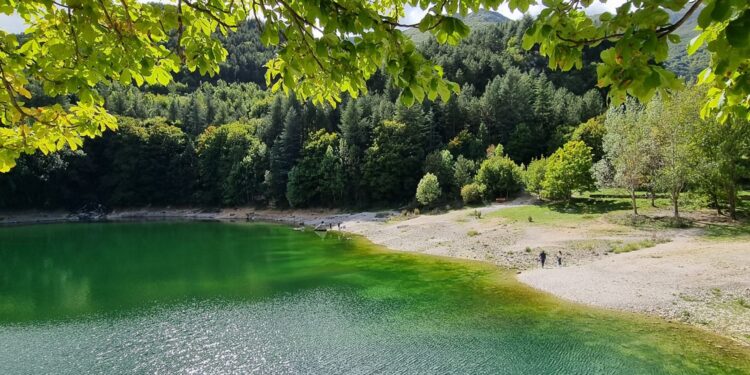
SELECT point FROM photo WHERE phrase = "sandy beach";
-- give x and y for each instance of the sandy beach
(685, 277)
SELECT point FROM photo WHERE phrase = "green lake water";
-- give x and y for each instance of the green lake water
(202, 297)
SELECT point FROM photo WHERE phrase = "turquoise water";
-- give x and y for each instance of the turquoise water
(202, 297)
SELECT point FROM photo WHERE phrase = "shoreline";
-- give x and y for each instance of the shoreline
(294, 217)
(685, 278)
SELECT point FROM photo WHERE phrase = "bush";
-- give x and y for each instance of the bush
(500, 176)
(428, 190)
(472, 193)
(568, 170)
(533, 177)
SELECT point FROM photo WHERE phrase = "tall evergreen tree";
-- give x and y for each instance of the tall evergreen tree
(284, 154)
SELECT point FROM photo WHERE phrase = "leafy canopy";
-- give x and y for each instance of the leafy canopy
(428, 190)
(325, 48)
(568, 170)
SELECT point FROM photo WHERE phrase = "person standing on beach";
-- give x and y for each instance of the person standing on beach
(559, 258)
(542, 258)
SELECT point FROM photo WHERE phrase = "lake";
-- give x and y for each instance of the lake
(208, 297)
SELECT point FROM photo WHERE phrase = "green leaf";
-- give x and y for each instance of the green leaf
(738, 31)
(696, 43)
(704, 18)
(721, 11)
(162, 76)
(407, 98)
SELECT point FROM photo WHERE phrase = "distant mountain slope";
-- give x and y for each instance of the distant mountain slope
(474, 20)
(484, 17)
(679, 61)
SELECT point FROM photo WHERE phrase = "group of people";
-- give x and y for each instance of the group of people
(543, 258)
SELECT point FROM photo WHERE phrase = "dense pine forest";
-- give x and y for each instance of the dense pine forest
(228, 141)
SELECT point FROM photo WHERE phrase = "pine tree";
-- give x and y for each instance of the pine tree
(173, 113)
(284, 154)
(194, 116)
(275, 121)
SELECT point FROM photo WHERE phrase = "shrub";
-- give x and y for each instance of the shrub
(533, 177)
(428, 190)
(472, 193)
(568, 170)
(500, 176)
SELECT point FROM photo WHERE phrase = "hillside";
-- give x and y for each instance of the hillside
(679, 61)
(474, 20)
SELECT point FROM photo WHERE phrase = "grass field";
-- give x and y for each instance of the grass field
(632, 246)
(576, 211)
(583, 208)
(728, 231)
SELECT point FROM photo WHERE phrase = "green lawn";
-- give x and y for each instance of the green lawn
(728, 231)
(583, 208)
(632, 246)
(576, 211)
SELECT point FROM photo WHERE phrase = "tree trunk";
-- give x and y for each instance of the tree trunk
(732, 200)
(653, 197)
(675, 198)
(715, 200)
(635, 205)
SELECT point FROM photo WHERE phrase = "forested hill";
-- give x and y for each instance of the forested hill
(228, 141)
(680, 62)
(476, 21)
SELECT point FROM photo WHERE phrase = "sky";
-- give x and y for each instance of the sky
(413, 15)
(11, 24)
(14, 24)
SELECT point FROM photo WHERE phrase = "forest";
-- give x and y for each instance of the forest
(516, 125)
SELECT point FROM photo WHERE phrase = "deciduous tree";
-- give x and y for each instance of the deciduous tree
(568, 170)
(428, 190)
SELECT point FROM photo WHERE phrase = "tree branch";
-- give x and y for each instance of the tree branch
(660, 32)
(209, 13)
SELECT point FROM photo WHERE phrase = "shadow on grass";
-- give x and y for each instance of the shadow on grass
(585, 206)
(728, 230)
(651, 222)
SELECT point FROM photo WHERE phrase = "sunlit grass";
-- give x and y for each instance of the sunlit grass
(576, 211)
(616, 207)
(638, 245)
(728, 230)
